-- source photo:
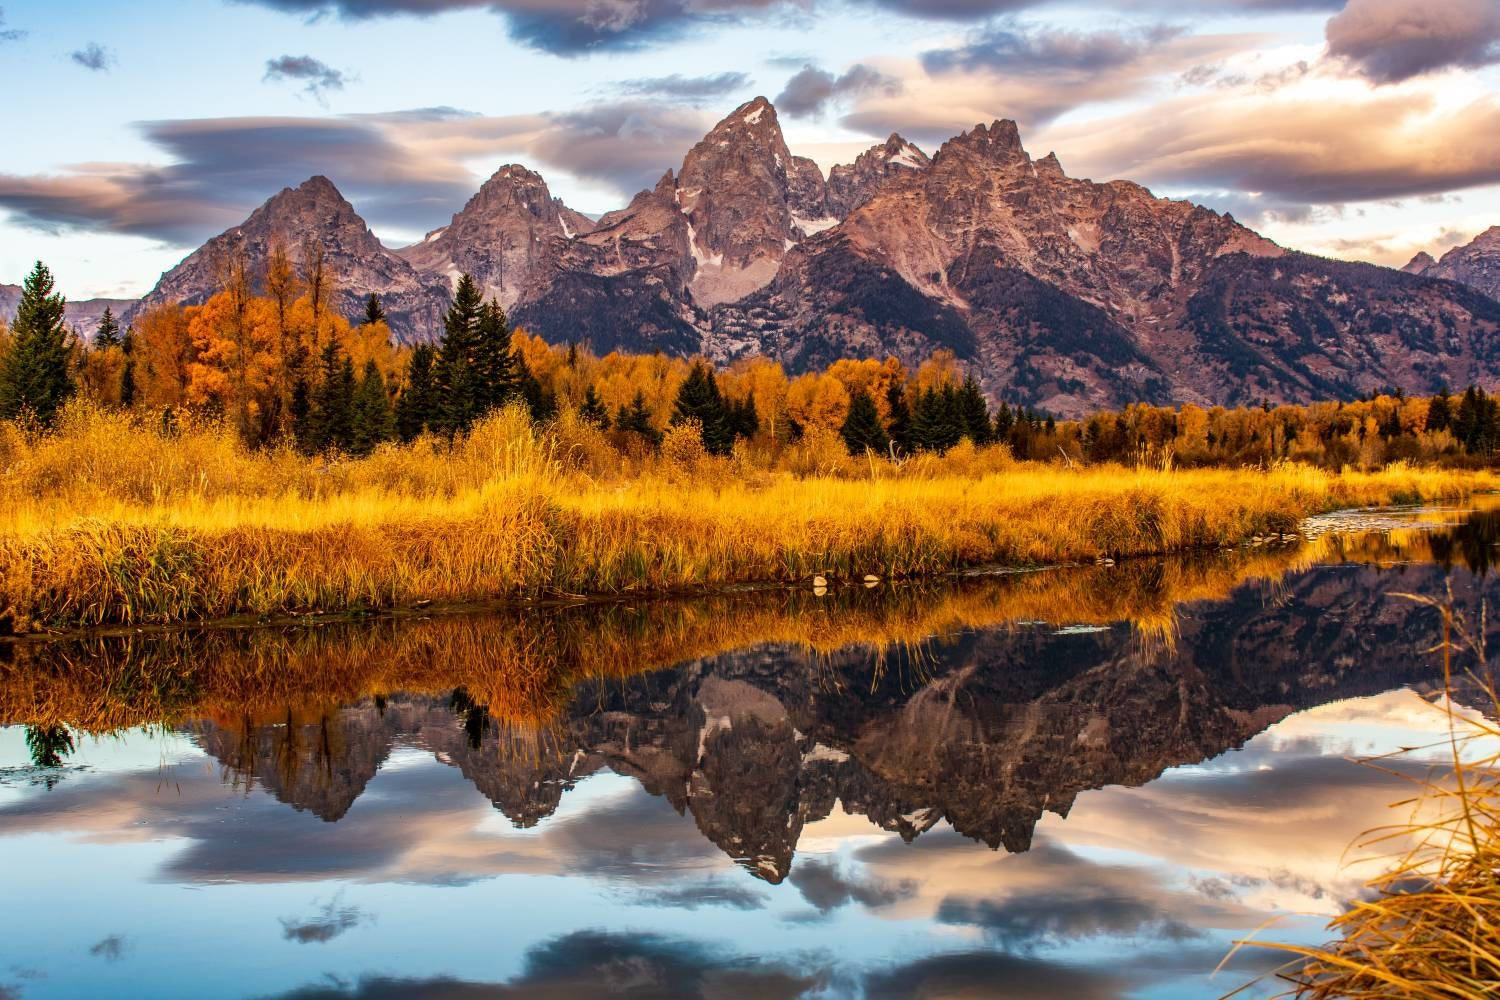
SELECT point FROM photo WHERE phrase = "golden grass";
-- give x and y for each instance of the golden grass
(111, 522)
(524, 664)
(1430, 926)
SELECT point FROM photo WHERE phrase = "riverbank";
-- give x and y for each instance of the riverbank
(109, 523)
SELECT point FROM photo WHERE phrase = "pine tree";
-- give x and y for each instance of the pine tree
(127, 384)
(541, 403)
(745, 418)
(1440, 412)
(936, 421)
(108, 332)
(699, 399)
(456, 379)
(495, 369)
(974, 413)
(34, 374)
(898, 417)
(1004, 420)
(592, 411)
(637, 419)
(373, 421)
(861, 430)
(330, 418)
(416, 409)
(374, 311)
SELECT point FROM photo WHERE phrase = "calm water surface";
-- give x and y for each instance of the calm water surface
(1081, 783)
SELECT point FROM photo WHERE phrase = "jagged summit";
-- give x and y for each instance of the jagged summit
(999, 141)
(1476, 263)
(1421, 262)
(851, 185)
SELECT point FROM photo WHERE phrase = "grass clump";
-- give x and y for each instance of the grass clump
(1429, 927)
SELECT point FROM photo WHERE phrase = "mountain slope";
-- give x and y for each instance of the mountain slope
(358, 262)
(81, 314)
(1476, 264)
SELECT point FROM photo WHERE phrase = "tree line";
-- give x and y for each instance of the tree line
(274, 362)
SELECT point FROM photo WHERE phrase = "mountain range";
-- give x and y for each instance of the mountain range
(1056, 292)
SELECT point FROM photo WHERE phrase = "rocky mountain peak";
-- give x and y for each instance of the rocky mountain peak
(851, 185)
(999, 141)
(1050, 166)
(1476, 263)
(502, 237)
(736, 190)
(358, 263)
(1421, 262)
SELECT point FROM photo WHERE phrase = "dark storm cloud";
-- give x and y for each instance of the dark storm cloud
(93, 56)
(562, 27)
(593, 963)
(1013, 47)
(687, 89)
(315, 76)
(825, 885)
(1393, 40)
(811, 90)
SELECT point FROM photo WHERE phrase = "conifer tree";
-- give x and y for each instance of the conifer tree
(496, 375)
(108, 332)
(34, 375)
(974, 413)
(1440, 412)
(330, 419)
(637, 419)
(127, 384)
(898, 417)
(373, 422)
(861, 430)
(699, 399)
(1004, 420)
(745, 418)
(456, 379)
(374, 311)
(416, 409)
(541, 403)
(592, 411)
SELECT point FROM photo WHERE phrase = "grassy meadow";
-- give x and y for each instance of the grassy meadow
(110, 519)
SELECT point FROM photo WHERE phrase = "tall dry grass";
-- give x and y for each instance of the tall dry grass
(111, 521)
(1429, 928)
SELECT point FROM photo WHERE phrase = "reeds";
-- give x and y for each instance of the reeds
(110, 521)
(1430, 924)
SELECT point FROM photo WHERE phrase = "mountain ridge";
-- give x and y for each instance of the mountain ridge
(1056, 292)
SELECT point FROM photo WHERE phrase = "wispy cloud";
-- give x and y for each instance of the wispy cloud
(93, 56)
(317, 77)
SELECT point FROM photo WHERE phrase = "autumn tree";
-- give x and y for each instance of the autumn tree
(34, 375)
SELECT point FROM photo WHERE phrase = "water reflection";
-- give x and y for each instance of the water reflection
(767, 794)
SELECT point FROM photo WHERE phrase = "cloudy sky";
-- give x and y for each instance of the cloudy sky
(1354, 128)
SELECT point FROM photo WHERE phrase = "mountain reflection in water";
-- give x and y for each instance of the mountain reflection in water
(802, 778)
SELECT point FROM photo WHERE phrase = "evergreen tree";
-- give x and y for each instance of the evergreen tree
(974, 413)
(373, 421)
(637, 419)
(108, 333)
(456, 379)
(745, 419)
(331, 417)
(127, 384)
(1004, 421)
(1440, 412)
(416, 410)
(374, 311)
(898, 426)
(34, 374)
(496, 372)
(861, 430)
(936, 420)
(592, 411)
(541, 403)
(699, 399)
